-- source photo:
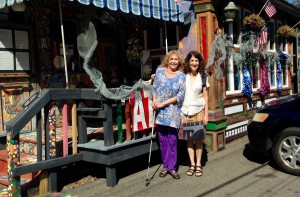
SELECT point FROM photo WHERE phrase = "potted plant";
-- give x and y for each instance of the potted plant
(286, 31)
(253, 22)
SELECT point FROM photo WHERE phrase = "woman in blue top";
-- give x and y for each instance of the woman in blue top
(168, 93)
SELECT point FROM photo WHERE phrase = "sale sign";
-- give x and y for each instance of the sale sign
(141, 110)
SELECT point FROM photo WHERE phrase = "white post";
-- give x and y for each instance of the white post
(166, 38)
(230, 67)
(63, 43)
(298, 58)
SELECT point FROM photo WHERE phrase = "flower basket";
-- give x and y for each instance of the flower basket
(253, 22)
(286, 31)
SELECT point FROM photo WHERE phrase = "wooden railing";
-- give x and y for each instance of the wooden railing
(41, 102)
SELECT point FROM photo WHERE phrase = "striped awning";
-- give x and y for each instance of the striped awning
(168, 10)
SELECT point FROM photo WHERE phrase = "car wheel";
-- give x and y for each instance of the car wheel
(286, 151)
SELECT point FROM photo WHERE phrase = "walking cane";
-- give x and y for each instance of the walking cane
(147, 179)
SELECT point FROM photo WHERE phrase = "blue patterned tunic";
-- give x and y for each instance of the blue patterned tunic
(165, 88)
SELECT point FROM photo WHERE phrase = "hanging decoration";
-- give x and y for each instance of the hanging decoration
(253, 22)
(247, 84)
(286, 31)
(220, 49)
(87, 43)
(282, 59)
(279, 76)
(245, 57)
(265, 85)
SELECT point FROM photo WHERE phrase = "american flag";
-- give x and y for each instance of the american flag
(262, 37)
(270, 9)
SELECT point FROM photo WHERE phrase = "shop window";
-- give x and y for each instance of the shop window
(4, 14)
(14, 50)
(153, 38)
(282, 42)
(271, 36)
(171, 36)
(156, 61)
(156, 37)
(254, 73)
(284, 67)
(272, 75)
(234, 77)
(237, 77)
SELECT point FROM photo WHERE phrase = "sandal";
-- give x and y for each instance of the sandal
(175, 175)
(191, 171)
(198, 171)
(163, 173)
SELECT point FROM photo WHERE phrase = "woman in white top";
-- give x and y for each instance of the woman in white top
(194, 109)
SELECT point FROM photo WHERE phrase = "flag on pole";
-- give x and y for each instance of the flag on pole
(270, 9)
(262, 37)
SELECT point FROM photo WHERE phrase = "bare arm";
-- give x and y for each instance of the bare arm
(157, 105)
(205, 96)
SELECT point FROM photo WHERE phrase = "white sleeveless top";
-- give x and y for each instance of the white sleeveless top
(193, 101)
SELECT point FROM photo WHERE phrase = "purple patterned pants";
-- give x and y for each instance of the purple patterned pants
(168, 146)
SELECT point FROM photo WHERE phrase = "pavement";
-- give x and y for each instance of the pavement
(88, 179)
(133, 174)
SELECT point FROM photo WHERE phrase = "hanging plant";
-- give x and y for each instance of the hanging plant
(286, 31)
(253, 22)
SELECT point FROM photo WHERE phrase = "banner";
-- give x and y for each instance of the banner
(141, 110)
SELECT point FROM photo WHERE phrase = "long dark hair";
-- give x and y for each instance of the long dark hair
(196, 54)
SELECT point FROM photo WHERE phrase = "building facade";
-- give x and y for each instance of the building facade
(131, 45)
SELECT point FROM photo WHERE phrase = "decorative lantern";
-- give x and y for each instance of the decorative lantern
(229, 11)
(18, 7)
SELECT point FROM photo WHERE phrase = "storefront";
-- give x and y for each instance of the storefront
(131, 43)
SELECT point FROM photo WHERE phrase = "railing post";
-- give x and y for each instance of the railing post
(13, 160)
(74, 127)
(108, 125)
(65, 128)
(82, 136)
(128, 121)
(39, 136)
(119, 122)
(52, 184)
(51, 133)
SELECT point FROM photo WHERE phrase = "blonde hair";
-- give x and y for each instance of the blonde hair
(165, 62)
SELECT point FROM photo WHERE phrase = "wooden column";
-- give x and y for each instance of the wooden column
(207, 24)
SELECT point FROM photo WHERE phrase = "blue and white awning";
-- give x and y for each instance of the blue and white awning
(159, 9)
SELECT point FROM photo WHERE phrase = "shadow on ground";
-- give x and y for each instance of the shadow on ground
(77, 171)
(258, 157)
(67, 176)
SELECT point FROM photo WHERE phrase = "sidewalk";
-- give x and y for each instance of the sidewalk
(133, 174)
